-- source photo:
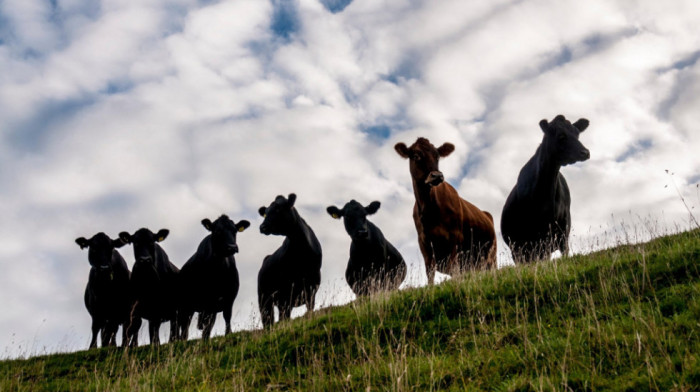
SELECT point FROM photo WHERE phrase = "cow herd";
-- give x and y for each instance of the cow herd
(454, 235)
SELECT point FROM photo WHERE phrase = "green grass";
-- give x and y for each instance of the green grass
(625, 319)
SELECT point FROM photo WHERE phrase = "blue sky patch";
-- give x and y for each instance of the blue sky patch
(636, 148)
(377, 132)
(31, 134)
(408, 68)
(116, 201)
(285, 18)
(683, 63)
(694, 179)
(335, 6)
(117, 88)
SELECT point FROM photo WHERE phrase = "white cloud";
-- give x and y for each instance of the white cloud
(158, 115)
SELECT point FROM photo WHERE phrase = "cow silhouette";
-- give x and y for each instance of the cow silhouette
(107, 296)
(536, 218)
(153, 285)
(291, 275)
(374, 264)
(209, 280)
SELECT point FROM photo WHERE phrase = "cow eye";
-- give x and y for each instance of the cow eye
(417, 156)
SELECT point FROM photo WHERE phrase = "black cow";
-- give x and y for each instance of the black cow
(107, 297)
(289, 277)
(374, 263)
(209, 279)
(153, 285)
(536, 219)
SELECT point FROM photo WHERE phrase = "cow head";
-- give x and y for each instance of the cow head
(355, 218)
(561, 140)
(144, 243)
(279, 216)
(223, 234)
(423, 158)
(100, 249)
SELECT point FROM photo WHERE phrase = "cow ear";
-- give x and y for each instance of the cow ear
(118, 243)
(242, 225)
(402, 150)
(544, 125)
(82, 242)
(291, 199)
(206, 223)
(334, 212)
(262, 211)
(372, 207)
(162, 235)
(446, 149)
(581, 124)
(125, 236)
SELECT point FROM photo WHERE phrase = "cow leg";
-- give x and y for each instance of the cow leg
(267, 310)
(109, 330)
(154, 331)
(522, 253)
(207, 320)
(125, 336)
(492, 256)
(96, 327)
(184, 320)
(398, 274)
(285, 311)
(564, 246)
(453, 262)
(134, 325)
(310, 301)
(174, 330)
(227, 318)
(429, 258)
(133, 330)
(460, 255)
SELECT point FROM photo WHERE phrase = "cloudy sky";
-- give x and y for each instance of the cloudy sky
(121, 114)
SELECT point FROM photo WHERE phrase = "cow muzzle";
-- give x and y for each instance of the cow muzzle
(435, 178)
(362, 234)
(584, 155)
(232, 249)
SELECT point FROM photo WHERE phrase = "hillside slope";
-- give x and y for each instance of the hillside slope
(626, 318)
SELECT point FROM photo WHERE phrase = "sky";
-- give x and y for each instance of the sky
(122, 114)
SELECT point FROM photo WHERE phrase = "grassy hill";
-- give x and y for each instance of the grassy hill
(624, 319)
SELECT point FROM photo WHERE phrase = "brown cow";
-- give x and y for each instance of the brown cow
(453, 234)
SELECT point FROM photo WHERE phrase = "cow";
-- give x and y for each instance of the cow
(536, 218)
(107, 296)
(453, 234)
(375, 264)
(209, 279)
(289, 277)
(153, 285)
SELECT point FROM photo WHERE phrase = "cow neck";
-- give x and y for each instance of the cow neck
(214, 257)
(162, 261)
(422, 193)
(297, 232)
(547, 173)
